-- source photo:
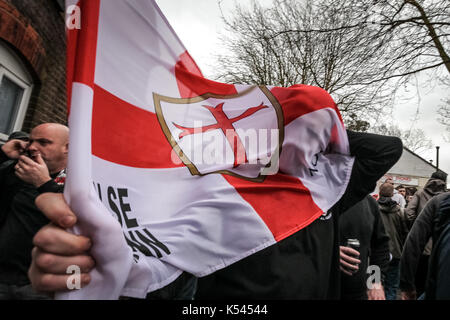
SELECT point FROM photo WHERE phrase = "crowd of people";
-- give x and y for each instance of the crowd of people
(399, 246)
(332, 258)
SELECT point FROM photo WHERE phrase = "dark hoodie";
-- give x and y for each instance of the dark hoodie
(433, 187)
(394, 224)
(428, 223)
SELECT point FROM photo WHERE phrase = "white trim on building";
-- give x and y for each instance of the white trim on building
(13, 74)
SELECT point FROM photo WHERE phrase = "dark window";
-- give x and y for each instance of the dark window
(10, 98)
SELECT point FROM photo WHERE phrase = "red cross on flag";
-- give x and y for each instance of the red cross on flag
(171, 172)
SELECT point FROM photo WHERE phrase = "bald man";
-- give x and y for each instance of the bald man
(38, 166)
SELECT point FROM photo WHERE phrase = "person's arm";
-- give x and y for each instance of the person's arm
(404, 227)
(410, 211)
(379, 253)
(348, 262)
(443, 270)
(376, 292)
(56, 249)
(12, 150)
(374, 156)
(33, 172)
(379, 244)
(3, 159)
(415, 244)
(3, 156)
(51, 186)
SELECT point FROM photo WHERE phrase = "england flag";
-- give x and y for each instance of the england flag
(171, 172)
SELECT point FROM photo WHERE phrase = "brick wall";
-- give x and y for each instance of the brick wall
(36, 31)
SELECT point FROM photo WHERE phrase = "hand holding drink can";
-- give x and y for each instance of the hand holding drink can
(349, 254)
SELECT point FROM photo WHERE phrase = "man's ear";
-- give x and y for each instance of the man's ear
(66, 148)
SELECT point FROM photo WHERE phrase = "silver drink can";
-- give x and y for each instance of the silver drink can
(353, 243)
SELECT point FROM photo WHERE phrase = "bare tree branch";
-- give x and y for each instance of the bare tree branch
(360, 51)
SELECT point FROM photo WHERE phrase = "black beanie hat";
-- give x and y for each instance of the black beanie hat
(20, 135)
(439, 175)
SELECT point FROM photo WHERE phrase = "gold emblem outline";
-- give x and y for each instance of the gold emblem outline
(157, 98)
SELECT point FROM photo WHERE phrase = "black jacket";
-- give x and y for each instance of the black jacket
(395, 225)
(438, 279)
(305, 265)
(363, 222)
(420, 233)
(432, 188)
(20, 219)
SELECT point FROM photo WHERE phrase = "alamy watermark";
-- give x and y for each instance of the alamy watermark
(227, 147)
(73, 17)
(74, 280)
(374, 279)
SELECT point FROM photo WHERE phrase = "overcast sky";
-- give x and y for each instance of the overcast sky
(198, 24)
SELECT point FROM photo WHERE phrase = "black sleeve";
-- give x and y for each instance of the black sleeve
(51, 186)
(3, 156)
(443, 270)
(418, 237)
(404, 226)
(379, 244)
(410, 210)
(374, 156)
(4, 167)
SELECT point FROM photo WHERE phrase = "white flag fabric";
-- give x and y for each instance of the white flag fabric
(171, 172)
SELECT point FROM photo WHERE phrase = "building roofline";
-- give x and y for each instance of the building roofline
(415, 154)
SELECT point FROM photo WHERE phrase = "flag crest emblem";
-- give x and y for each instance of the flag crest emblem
(215, 134)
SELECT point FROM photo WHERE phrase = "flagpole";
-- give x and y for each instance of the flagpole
(113, 262)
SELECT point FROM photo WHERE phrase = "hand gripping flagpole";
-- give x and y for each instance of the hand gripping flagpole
(113, 257)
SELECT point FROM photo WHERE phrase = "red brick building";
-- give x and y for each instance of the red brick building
(32, 64)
